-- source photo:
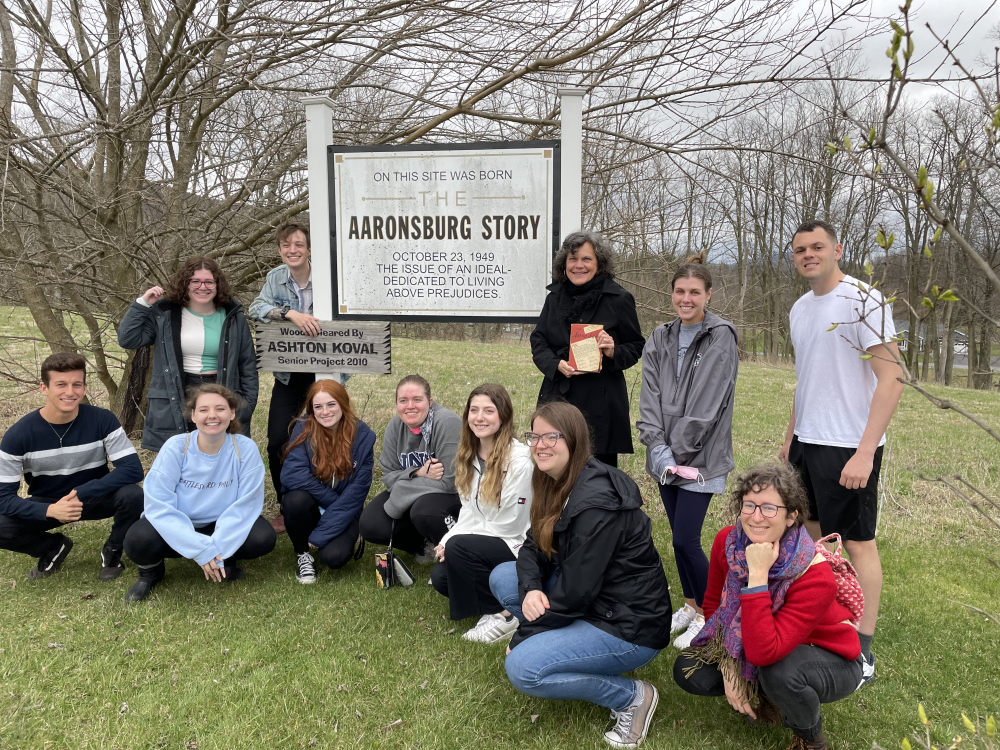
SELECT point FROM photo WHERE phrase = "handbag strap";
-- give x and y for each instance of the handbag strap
(392, 532)
(360, 551)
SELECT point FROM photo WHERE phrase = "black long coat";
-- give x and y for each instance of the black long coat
(603, 396)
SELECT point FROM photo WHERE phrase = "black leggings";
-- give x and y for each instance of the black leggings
(686, 511)
(145, 546)
(464, 576)
(425, 520)
(286, 403)
(797, 684)
(301, 512)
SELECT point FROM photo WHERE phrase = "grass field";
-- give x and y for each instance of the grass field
(266, 663)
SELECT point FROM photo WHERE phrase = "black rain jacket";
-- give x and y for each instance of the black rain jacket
(608, 570)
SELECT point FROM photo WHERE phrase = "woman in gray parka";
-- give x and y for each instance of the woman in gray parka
(200, 335)
(685, 421)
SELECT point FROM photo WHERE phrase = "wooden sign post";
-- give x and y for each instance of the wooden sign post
(341, 347)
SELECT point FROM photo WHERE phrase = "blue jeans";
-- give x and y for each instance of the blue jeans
(577, 662)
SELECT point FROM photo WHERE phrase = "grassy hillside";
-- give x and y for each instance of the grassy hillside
(266, 663)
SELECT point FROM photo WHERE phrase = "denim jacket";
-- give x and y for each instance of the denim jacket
(277, 292)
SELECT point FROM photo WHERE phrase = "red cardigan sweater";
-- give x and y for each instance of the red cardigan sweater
(810, 614)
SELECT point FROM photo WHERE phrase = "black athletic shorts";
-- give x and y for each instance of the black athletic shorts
(851, 513)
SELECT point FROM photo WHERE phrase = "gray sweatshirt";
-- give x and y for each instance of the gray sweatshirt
(691, 414)
(404, 452)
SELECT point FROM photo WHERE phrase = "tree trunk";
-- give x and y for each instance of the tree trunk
(130, 405)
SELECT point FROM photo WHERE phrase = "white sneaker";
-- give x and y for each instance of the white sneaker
(495, 628)
(632, 724)
(473, 634)
(682, 618)
(306, 569)
(694, 627)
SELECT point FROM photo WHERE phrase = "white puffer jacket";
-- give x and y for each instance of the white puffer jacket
(509, 522)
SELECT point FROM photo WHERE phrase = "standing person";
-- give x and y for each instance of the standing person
(588, 585)
(62, 450)
(326, 476)
(209, 342)
(418, 470)
(686, 422)
(493, 478)
(774, 623)
(583, 290)
(204, 495)
(843, 405)
(287, 296)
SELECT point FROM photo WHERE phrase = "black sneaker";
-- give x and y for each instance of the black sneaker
(233, 571)
(111, 564)
(867, 670)
(51, 562)
(148, 578)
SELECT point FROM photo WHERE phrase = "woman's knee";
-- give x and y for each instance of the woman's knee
(374, 523)
(336, 554)
(503, 582)
(143, 543)
(521, 669)
(260, 541)
(697, 678)
(297, 501)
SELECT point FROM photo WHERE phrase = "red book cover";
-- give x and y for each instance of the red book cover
(584, 355)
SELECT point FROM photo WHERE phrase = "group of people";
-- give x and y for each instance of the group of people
(544, 541)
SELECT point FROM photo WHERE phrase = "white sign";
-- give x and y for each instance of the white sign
(444, 233)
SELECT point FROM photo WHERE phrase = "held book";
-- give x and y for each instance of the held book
(584, 355)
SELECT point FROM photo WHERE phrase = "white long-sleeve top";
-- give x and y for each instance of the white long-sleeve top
(509, 522)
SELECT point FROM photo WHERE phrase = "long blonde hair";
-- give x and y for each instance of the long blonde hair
(468, 447)
(548, 495)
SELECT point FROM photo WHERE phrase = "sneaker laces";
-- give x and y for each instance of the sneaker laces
(623, 722)
(306, 564)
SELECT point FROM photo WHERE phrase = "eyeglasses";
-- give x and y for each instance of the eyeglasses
(547, 440)
(207, 284)
(767, 510)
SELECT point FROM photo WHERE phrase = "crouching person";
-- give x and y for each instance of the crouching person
(774, 632)
(62, 450)
(588, 585)
(325, 477)
(204, 495)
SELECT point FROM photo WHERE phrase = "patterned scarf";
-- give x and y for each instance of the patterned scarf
(724, 629)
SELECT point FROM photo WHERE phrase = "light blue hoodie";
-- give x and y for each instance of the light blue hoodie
(186, 489)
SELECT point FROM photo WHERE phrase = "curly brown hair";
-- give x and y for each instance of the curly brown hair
(784, 478)
(178, 290)
(576, 240)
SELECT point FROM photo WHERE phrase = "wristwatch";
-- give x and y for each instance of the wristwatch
(284, 311)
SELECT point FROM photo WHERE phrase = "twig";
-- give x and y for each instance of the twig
(965, 497)
(977, 610)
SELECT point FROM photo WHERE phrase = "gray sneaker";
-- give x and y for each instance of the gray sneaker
(632, 724)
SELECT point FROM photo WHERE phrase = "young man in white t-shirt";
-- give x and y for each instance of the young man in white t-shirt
(842, 407)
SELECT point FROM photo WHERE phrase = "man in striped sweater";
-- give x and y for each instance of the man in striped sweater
(62, 450)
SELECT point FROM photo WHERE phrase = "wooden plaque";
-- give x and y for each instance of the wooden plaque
(353, 347)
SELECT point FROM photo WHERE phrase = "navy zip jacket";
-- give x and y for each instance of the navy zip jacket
(342, 502)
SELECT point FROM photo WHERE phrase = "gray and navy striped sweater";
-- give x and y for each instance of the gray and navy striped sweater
(31, 447)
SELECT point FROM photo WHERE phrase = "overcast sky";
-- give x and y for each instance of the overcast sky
(951, 20)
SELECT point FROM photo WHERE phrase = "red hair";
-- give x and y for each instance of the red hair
(331, 447)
